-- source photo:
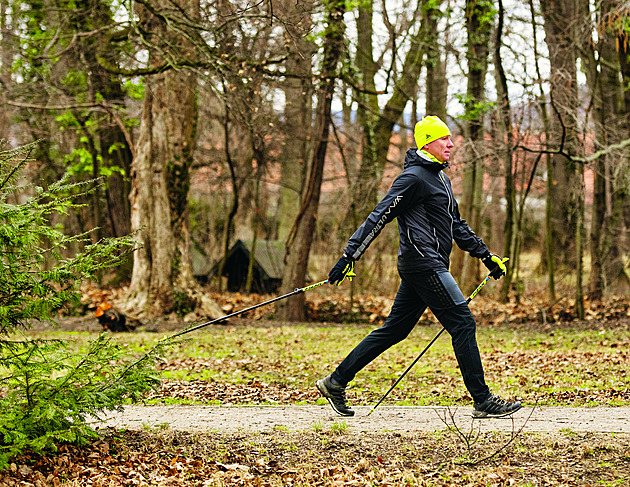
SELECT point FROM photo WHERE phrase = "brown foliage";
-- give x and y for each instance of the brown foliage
(325, 458)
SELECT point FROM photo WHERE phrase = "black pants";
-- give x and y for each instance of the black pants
(441, 294)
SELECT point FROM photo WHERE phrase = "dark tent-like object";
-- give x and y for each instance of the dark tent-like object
(268, 266)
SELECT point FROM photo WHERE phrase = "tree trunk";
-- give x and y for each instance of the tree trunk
(301, 237)
(365, 182)
(228, 227)
(579, 246)
(6, 60)
(510, 229)
(559, 23)
(479, 26)
(403, 91)
(603, 77)
(623, 181)
(547, 254)
(436, 82)
(376, 156)
(162, 279)
(115, 144)
(297, 114)
(365, 187)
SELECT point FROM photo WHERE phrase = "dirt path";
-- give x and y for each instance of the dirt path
(234, 419)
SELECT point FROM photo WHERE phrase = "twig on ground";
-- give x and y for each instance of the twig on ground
(473, 434)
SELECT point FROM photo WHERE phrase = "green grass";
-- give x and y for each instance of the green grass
(568, 366)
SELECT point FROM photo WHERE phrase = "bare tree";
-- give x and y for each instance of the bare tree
(479, 26)
(603, 70)
(162, 272)
(301, 237)
(436, 81)
(566, 200)
(298, 112)
(506, 136)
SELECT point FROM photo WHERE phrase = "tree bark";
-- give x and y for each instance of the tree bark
(298, 112)
(436, 82)
(6, 60)
(603, 74)
(162, 279)
(301, 236)
(547, 253)
(479, 26)
(559, 23)
(365, 188)
(228, 227)
(511, 231)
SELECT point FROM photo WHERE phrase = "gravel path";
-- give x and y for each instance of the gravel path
(234, 419)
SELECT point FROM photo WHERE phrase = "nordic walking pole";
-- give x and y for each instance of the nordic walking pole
(236, 313)
(474, 293)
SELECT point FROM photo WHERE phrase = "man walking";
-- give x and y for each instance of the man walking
(428, 220)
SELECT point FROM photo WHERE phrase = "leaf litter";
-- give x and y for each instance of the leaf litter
(332, 457)
(327, 458)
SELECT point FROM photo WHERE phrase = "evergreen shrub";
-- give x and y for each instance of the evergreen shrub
(48, 393)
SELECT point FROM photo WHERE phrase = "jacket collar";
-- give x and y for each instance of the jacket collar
(415, 157)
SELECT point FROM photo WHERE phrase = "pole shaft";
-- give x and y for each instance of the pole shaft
(236, 313)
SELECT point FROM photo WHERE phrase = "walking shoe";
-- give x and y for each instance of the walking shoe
(335, 394)
(495, 407)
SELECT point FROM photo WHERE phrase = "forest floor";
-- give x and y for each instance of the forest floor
(308, 446)
(300, 441)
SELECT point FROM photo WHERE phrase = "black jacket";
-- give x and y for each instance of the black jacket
(422, 199)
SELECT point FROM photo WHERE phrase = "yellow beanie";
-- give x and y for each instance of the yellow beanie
(429, 129)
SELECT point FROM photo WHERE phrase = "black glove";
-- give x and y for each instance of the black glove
(343, 270)
(496, 265)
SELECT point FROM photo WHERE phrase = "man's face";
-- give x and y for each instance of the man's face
(440, 148)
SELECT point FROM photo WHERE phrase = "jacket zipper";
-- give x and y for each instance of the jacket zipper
(437, 240)
(412, 243)
(450, 199)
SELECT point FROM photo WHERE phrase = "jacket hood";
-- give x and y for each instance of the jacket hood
(414, 156)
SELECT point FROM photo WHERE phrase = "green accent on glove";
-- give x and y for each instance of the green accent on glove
(348, 273)
(496, 265)
(500, 262)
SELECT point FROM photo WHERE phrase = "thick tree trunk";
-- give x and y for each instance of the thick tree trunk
(162, 279)
(560, 19)
(603, 77)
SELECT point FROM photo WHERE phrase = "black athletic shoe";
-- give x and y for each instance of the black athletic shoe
(335, 394)
(495, 407)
